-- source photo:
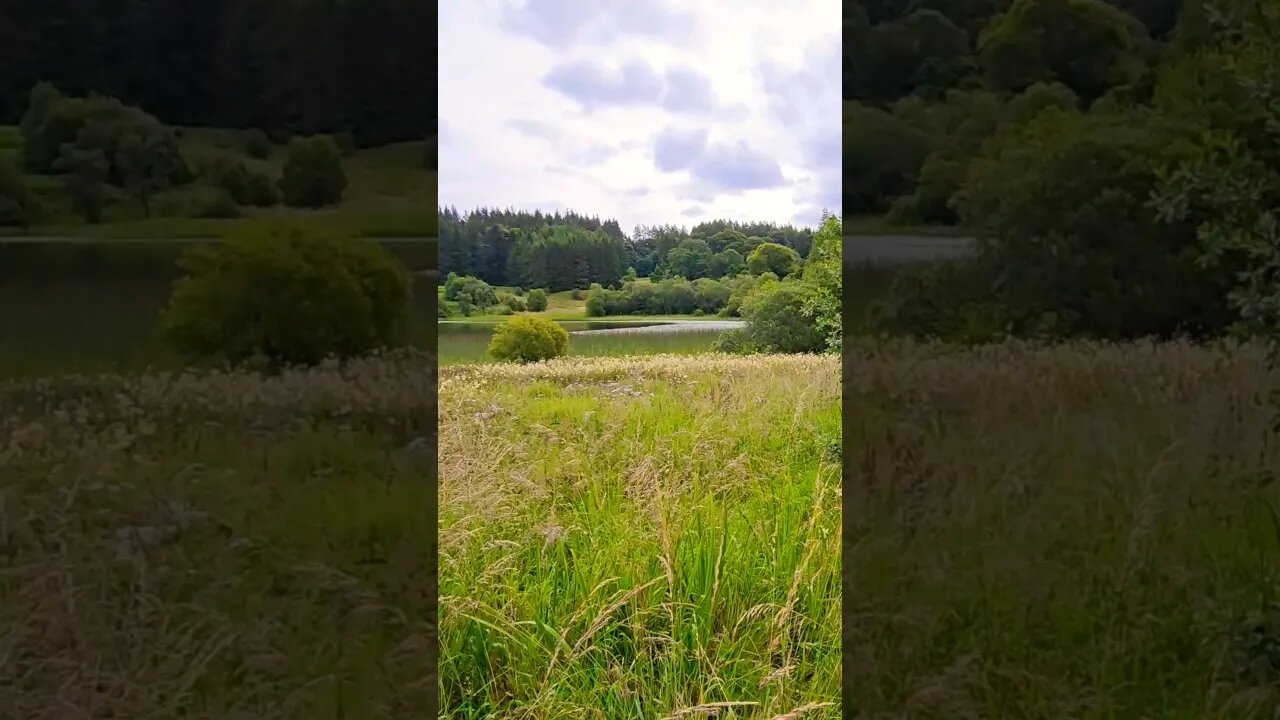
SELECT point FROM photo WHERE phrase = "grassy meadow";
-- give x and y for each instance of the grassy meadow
(1082, 531)
(640, 537)
(219, 544)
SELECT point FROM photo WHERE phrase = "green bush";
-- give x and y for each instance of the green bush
(577, 294)
(772, 257)
(735, 342)
(777, 321)
(515, 302)
(597, 303)
(18, 206)
(256, 144)
(537, 300)
(313, 173)
(528, 338)
(471, 290)
(286, 295)
(260, 190)
(220, 206)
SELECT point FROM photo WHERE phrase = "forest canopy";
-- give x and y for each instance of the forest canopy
(286, 66)
(561, 251)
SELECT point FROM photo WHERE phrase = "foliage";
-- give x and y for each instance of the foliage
(256, 144)
(771, 257)
(883, 158)
(1075, 246)
(1229, 185)
(287, 295)
(472, 292)
(528, 338)
(690, 259)
(1085, 44)
(562, 257)
(313, 174)
(823, 273)
(488, 243)
(777, 320)
(295, 67)
(537, 300)
(139, 151)
(18, 205)
(85, 175)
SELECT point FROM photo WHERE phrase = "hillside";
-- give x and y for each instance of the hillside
(389, 193)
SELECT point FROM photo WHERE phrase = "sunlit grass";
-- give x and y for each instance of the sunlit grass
(640, 537)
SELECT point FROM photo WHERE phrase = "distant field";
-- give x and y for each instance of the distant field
(389, 194)
(903, 248)
(879, 226)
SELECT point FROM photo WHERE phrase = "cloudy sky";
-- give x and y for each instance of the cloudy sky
(646, 111)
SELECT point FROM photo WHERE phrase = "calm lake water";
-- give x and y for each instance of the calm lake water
(93, 306)
(466, 342)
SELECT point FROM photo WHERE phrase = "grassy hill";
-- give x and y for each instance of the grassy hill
(389, 194)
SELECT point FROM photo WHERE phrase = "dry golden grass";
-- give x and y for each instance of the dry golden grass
(1080, 531)
(219, 545)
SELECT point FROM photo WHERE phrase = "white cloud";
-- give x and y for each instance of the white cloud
(647, 112)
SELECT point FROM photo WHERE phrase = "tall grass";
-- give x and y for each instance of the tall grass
(1080, 531)
(219, 545)
(640, 538)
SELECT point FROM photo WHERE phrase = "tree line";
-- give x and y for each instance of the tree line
(290, 67)
(561, 251)
(1123, 209)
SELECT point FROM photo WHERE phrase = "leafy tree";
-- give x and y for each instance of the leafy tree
(774, 258)
(313, 173)
(18, 206)
(689, 259)
(777, 320)
(287, 295)
(1228, 185)
(823, 273)
(147, 162)
(537, 300)
(474, 291)
(85, 176)
(1087, 45)
(256, 144)
(726, 263)
(882, 158)
(1074, 242)
(528, 338)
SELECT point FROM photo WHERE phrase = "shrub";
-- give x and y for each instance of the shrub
(260, 190)
(528, 338)
(256, 144)
(537, 300)
(597, 302)
(500, 309)
(576, 294)
(777, 321)
(17, 203)
(287, 295)
(220, 206)
(772, 257)
(734, 341)
(313, 173)
(515, 302)
(474, 291)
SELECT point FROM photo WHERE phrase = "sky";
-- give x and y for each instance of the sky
(645, 111)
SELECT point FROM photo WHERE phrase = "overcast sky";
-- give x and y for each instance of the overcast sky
(644, 111)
